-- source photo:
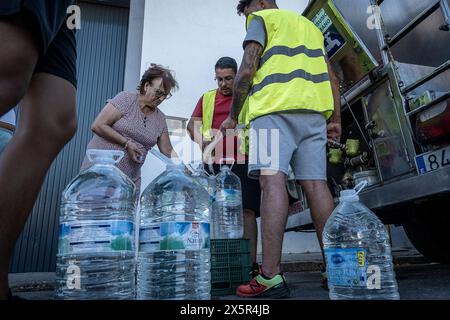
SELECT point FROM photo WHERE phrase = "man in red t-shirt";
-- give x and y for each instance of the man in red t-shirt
(220, 99)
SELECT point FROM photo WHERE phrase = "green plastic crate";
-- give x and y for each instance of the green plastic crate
(230, 265)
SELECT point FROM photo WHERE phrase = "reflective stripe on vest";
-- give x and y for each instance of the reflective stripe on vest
(209, 101)
(293, 73)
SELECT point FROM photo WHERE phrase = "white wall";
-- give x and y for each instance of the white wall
(189, 36)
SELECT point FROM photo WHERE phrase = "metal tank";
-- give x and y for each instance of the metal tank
(392, 58)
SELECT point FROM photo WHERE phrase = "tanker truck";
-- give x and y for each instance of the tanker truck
(392, 59)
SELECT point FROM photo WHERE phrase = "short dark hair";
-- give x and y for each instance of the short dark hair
(158, 71)
(226, 63)
(242, 5)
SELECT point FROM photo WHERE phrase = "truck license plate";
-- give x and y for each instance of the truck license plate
(433, 160)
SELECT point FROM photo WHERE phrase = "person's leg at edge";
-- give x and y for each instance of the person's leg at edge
(274, 213)
(18, 57)
(19, 54)
(251, 232)
(321, 204)
(47, 123)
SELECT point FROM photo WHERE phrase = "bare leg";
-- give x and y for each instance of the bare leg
(274, 212)
(321, 204)
(18, 57)
(251, 232)
(47, 123)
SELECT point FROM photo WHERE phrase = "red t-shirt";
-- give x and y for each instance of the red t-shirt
(229, 148)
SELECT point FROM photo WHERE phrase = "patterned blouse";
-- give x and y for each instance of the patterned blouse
(133, 124)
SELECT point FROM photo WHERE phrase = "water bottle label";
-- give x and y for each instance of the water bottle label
(230, 196)
(346, 267)
(174, 236)
(96, 236)
(150, 238)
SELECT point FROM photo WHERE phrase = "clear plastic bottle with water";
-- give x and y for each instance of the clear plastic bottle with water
(208, 182)
(227, 207)
(174, 240)
(358, 252)
(96, 256)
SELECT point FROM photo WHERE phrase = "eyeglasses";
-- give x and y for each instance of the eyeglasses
(226, 79)
(159, 93)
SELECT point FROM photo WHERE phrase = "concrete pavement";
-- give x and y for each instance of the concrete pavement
(417, 279)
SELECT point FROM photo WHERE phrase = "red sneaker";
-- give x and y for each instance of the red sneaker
(259, 287)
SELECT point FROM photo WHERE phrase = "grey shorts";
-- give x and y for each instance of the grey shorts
(298, 139)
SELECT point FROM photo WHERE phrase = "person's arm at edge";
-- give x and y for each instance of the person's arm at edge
(193, 128)
(334, 125)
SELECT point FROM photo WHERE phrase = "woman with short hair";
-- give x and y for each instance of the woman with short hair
(133, 123)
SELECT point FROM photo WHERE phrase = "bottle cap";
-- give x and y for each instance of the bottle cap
(352, 194)
(348, 193)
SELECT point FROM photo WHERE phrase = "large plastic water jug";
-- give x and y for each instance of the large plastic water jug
(358, 252)
(174, 238)
(96, 241)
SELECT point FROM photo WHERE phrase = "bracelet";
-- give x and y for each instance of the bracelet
(126, 144)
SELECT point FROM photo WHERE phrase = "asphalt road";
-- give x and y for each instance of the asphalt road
(422, 281)
(415, 282)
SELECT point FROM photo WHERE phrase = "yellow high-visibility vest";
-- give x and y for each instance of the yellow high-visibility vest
(209, 100)
(293, 73)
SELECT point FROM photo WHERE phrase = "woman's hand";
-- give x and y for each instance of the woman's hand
(135, 152)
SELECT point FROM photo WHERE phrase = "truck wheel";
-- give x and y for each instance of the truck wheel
(427, 229)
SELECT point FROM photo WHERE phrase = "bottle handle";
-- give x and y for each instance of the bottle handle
(360, 186)
(115, 155)
(221, 162)
(207, 153)
(191, 168)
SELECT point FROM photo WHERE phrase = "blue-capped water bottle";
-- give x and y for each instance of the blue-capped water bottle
(358, 252)
(227, 207)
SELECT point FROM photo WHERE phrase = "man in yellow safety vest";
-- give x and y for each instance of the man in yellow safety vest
(291, 92)
(211, 110)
